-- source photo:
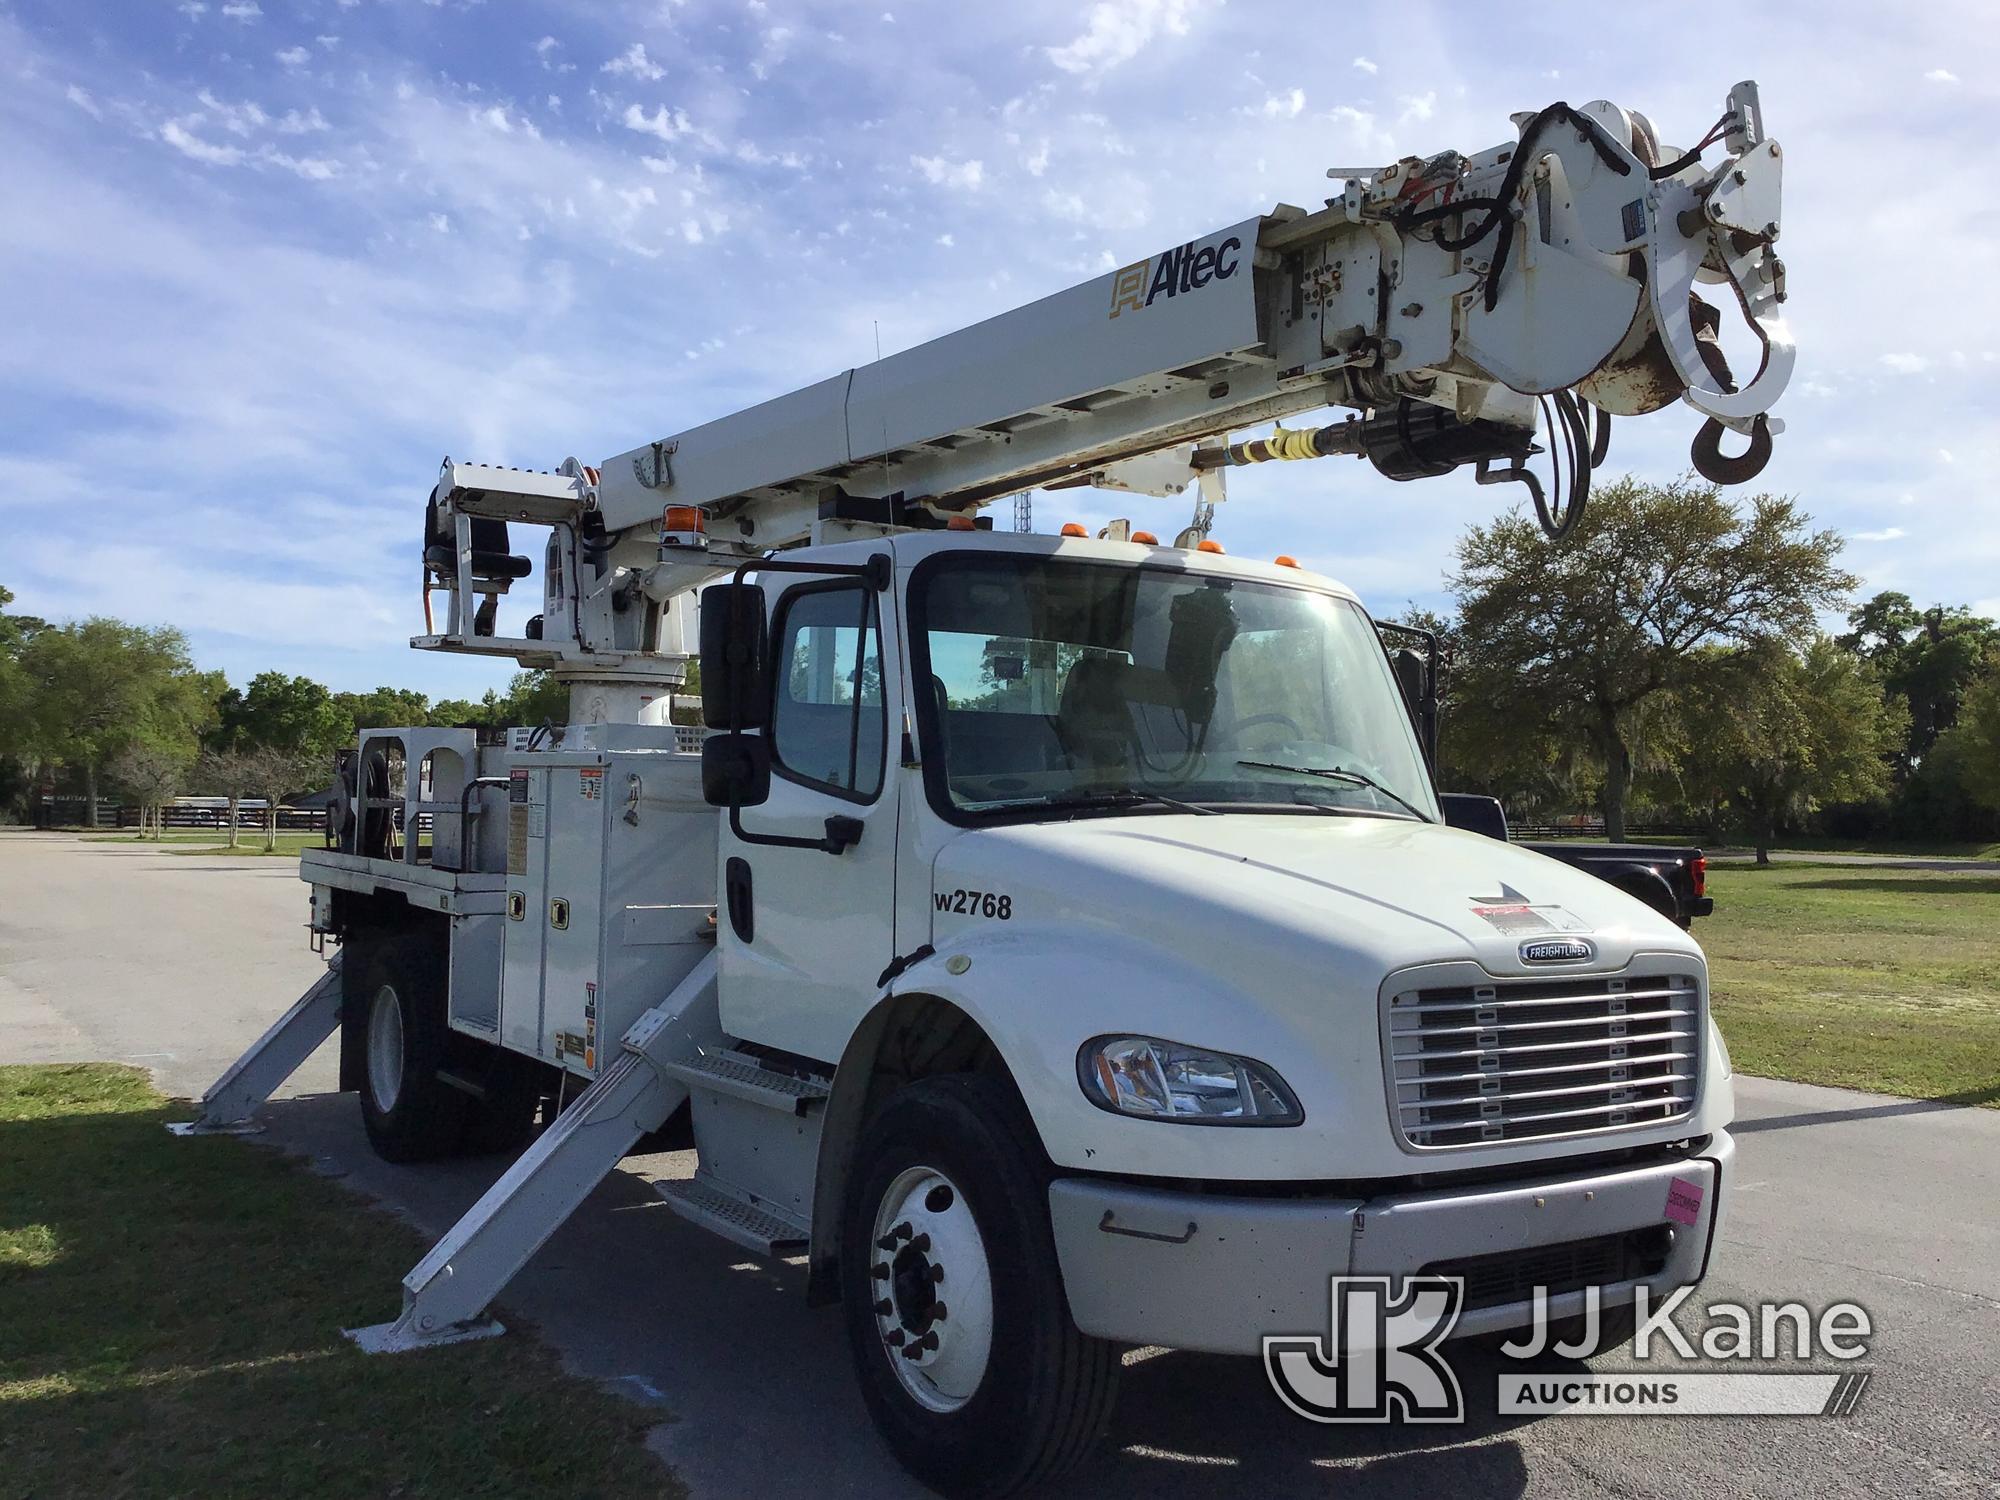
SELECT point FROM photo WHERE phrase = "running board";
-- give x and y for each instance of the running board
(446, 1295)
(231, 1101)
(705, 1202)
(742, 1078)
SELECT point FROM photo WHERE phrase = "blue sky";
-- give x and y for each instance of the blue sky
(264, 262)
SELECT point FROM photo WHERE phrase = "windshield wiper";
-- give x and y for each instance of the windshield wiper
(1339, 773)
(1121, 796)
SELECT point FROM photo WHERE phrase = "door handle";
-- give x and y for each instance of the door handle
(736, 896)
(841, 832)
(559, 914)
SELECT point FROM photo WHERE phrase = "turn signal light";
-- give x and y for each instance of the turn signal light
(1071, 528)
(959, 523)
(1205, 545)
(1144, 539)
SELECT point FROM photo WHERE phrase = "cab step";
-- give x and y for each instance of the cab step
(704, 1202)
(742, 1077)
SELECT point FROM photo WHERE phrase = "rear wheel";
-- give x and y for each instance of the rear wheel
(411, 1114)
(960, 1329)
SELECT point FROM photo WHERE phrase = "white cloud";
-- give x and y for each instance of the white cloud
(1285, 106)
(291, 122)
(1039, 162)
(1419, 107)
(633, 63)
(1944, 456)
(191, 145)
(237, 119)
(83, 101)
(667, 127)
(243, 10)
(293, 57)
(441, 223)
(194, 10)
(1366, 66)
(1117, 33)
(1886, 534)
(942, 172)
(327, 42)
(546, 45)
(946, 240)
(1906, 364)
(1941, 75)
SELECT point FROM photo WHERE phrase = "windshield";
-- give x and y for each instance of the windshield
(1078, 686)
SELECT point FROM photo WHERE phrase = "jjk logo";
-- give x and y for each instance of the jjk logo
(1185, 268)
(1380, 1361)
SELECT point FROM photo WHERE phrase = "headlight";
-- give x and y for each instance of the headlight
(1155, 1080)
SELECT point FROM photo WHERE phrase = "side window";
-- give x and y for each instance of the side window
(828, 722)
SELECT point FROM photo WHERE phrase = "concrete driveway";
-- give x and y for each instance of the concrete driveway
(175, 962)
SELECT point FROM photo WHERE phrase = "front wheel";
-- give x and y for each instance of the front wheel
(970, 1364)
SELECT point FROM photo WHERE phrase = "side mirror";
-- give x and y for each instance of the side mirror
(734, 644)
(735, 770)
(1413, 676)
(1410, 677)
(1474, 814)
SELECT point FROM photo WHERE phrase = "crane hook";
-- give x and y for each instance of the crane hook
(1708, 459)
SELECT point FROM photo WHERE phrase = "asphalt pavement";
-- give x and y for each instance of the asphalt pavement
(175, 962)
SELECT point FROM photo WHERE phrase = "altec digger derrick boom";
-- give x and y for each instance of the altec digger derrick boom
(1462, 304)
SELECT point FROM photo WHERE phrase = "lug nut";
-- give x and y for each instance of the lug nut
(938, 1312)
(885, 1307)
(937, 1273)
(928, 1341)
(893, 1338)
(920, 1244)
(881, 1270)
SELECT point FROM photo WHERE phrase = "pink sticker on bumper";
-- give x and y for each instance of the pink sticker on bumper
(1684, 1201)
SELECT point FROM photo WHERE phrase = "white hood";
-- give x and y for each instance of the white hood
(1384, 893)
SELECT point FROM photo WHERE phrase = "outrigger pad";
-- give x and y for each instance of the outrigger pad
(396, 1338)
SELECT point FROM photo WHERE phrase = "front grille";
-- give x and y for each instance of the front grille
(1512, 1060)
(1509, 1276)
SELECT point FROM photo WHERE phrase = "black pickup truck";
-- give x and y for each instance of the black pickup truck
(1670, 878)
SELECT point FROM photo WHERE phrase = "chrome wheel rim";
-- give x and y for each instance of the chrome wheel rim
(385, 1049)
(932, 1289)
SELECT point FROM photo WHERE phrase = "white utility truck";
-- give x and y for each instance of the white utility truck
(1057, 940)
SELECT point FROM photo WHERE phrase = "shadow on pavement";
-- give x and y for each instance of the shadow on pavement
(762, 1387)
(1969, 1099)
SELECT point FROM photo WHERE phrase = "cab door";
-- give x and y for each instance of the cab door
(805, 932)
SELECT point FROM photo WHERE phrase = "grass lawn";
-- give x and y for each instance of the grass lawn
(1871, 978)
(213, 841)
(170, 1315)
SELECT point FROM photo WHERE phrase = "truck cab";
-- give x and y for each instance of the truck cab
(1144, 838)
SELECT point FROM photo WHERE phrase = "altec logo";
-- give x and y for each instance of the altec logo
(1182, 269)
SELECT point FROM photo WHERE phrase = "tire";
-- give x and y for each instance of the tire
(951, 1171)
(410, 1113)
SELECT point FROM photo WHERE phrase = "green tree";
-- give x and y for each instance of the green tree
(1928, 658)
(1773, 732)
(1580, 640)
(384, 708)
(294, 715)
(1972, 746)
(99, 686)
(152, 774)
